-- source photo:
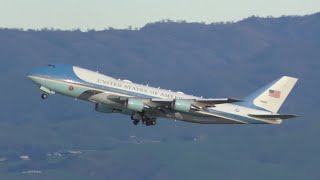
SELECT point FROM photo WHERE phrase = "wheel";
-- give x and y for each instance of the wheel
(135, 122)
(153, 122)
(143, 121)
(148, 123)
(144, 118)
(44, 96)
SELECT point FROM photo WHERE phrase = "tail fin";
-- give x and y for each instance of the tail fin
(272, 96)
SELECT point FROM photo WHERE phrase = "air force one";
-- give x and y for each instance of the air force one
(146, 104)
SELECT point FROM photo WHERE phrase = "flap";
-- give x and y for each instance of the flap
(273, 116)
(197, 102)
(212, 102)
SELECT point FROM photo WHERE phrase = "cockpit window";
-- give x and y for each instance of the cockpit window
(51, 65)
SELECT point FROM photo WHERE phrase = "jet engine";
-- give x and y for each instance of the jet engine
(103, 108)
(181, 105)
(134, 104)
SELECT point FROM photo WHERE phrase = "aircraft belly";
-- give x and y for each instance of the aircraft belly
(209, 120)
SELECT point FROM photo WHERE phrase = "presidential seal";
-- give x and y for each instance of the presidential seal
(71, 88)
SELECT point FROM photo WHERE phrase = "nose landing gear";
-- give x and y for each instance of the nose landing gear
(44, 96)
(46, 92)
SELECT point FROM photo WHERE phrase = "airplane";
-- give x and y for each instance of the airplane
(146, 103)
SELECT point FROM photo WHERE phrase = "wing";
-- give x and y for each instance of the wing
(162, 106)
(198, 103)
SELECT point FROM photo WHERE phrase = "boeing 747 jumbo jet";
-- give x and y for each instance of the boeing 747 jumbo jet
(146, 104)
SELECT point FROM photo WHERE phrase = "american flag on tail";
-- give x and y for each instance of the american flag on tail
(274, 93)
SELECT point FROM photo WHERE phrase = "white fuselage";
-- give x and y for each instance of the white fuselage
(83, 84)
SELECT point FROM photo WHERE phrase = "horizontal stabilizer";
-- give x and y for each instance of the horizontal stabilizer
(273, 116)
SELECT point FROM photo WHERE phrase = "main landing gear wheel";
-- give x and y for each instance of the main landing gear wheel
(44, 96)
(150, 122)
(135, 122)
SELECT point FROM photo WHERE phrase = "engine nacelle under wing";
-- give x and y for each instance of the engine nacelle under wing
(134, 104)
(181, 105)
(104, 108)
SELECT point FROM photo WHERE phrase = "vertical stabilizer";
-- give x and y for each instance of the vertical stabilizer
(272, 96)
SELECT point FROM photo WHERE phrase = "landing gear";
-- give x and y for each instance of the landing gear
(46, 92)
(136, 117)
(135, 122)
(154, 122)
(149, 121)
(44, 96)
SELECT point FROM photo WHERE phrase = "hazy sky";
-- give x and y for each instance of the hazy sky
(99, 14)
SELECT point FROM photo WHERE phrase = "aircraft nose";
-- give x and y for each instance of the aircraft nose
(31, 76)
(36, 73)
